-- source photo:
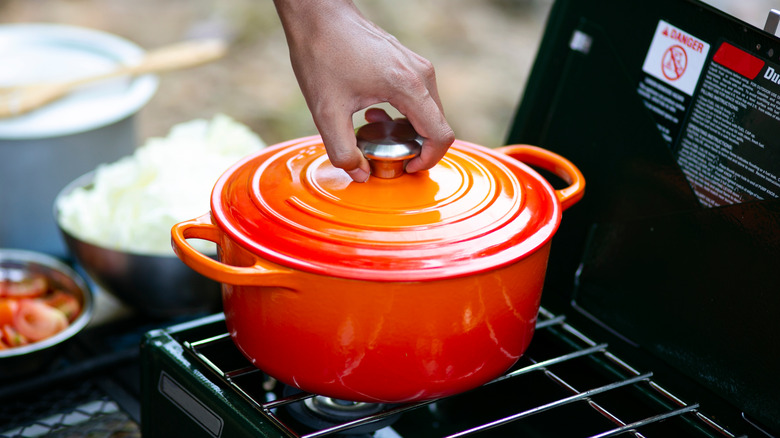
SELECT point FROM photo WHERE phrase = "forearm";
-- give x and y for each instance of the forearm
(301, 18)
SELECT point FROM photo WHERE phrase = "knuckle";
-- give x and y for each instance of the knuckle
(405, 77)
(444, 133)
(448, 136)
(427, 69)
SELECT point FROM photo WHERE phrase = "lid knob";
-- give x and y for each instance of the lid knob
(388, 146)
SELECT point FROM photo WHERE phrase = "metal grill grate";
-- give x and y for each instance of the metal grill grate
(566, 383)
(82, 409)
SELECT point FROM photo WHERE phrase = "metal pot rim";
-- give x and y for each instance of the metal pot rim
(79, 112)
(51, 263)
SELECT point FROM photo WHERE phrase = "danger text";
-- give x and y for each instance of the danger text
(685, 39)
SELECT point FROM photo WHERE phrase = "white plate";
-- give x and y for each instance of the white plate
(42, 52)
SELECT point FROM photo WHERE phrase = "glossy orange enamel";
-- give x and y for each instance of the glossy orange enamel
(387, 341)
(474, 211)
(396, 290)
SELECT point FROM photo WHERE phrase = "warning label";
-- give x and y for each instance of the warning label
(723, 135)
(730, 147)
(672, 67)
(676, 57)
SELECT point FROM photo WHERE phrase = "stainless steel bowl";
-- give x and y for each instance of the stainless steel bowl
(30, 358)
(154, 285)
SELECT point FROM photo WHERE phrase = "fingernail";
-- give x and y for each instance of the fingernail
(358, 175)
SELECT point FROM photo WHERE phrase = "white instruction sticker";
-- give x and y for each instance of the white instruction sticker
(676, 57)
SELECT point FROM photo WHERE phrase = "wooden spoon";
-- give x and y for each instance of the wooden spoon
(20, 99)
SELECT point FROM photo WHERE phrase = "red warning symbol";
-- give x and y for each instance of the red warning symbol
(674, 62)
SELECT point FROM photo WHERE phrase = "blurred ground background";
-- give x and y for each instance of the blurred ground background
(482, 51)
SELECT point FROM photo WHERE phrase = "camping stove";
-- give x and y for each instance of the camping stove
(196, 383)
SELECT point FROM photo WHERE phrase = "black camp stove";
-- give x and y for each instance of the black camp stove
(197, 384)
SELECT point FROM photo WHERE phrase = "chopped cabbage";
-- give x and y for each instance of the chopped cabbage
(135, 201)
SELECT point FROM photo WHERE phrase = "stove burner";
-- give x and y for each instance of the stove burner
(343, 409)
(320, 412)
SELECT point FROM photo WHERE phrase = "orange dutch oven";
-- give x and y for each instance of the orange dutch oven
(404, 288)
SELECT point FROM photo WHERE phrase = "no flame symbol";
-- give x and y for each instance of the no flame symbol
(674, 62)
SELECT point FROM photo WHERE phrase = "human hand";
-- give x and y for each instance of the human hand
(344, 63)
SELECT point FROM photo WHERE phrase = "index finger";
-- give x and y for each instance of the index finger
(338, 136)
(437, 135)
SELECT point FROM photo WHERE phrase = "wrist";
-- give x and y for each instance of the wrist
(302, 12)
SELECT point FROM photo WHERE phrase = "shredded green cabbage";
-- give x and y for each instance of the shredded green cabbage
(135, 201)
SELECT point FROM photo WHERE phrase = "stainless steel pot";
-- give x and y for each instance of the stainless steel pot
(42, 151)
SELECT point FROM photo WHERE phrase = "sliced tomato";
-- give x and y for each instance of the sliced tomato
(12, 337)
(37, 320)
(65, 302)
(30, 287)
(7, 310)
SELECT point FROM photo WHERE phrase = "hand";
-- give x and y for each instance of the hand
(344, 63)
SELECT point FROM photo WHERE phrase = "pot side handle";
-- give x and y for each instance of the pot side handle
(547, 160)
(261, 273)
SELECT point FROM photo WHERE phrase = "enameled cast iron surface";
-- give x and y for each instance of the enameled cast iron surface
(395, 290)
(467, 214)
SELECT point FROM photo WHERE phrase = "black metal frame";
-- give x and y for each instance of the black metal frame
(668, 405)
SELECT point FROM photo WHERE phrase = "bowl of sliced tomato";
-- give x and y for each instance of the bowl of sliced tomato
(43, 303)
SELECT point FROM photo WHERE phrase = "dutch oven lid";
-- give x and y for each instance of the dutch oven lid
(476, 210)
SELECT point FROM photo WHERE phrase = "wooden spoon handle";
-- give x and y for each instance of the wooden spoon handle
(24, 98)
(173, 57)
